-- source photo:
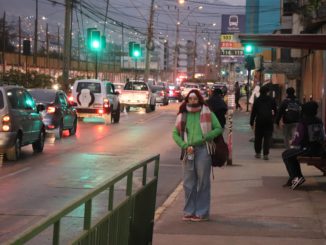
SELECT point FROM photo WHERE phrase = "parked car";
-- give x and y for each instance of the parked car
(20, 122)
(138, 94)
(160, 94)
(174, 93)
(96, 98)
(59, 114)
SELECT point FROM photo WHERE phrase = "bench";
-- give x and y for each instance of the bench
(318, 162)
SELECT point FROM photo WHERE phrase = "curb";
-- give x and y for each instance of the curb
(168, 202)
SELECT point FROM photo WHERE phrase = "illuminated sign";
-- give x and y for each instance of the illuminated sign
(232, 52)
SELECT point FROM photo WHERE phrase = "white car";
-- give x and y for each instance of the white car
(96, 98)
(137, 94)
(188, 87)
(118, 86)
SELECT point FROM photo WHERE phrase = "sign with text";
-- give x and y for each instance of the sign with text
(234, 23)
(227, 38)
(235, 45)
(232, 52)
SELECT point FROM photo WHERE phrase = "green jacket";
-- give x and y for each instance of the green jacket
(194, 133)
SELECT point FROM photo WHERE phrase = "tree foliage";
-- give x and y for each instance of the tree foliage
(31, 79)
(6, 36)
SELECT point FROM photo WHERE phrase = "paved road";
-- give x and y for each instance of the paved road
(38, 185)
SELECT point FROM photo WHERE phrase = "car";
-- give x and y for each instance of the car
(174, 92)
(160, 94)
(20, 122)
(96, 98)
(221, 86)
(137, 93)
(59, 114)
(188, 87)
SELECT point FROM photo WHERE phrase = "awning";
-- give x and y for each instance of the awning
(300, 41)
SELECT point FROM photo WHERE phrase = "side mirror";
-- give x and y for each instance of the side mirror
(40, 107)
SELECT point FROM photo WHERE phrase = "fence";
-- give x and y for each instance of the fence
(128, 222)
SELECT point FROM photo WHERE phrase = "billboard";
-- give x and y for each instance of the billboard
(234, 23)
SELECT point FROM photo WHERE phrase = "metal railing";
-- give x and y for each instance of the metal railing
(129, 222)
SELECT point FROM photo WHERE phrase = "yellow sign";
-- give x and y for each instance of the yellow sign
(226, 38)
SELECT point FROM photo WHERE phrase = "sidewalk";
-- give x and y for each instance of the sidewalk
(249, 204)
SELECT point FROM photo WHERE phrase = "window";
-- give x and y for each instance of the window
(29, 103)
(92, 86)
(139, 86)
(1, 100)
(16, 98)
(109, 89)
(62, 100)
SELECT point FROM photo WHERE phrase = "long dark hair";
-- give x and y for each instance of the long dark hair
(183, 106)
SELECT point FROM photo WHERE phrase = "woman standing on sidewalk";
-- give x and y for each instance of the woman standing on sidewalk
(196, 126)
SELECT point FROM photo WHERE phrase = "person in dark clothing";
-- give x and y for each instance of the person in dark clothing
(217, 105)
(290, 113)
(237, 96)
(262, 121)
(308, 141)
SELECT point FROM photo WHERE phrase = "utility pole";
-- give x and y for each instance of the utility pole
(3, 44)
(20, 41)
(47, 47)
(149, 43)
(122, 47)
(195, 54)
(67, 44)
(176, 51)
(35, 35)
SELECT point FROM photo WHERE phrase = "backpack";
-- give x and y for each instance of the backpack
(292, 112)
(316, 133)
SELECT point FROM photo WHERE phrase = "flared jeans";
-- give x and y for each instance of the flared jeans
(196, 183)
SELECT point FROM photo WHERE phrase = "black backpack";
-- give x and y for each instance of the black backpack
(292, 112)
(316, 133)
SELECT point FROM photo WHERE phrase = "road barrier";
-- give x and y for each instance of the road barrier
(129, 222)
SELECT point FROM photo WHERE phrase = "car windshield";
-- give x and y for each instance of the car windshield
(118, 86)
(1, 100)
(92, 86)
(43, 96)
(136, 86)
(191, 86)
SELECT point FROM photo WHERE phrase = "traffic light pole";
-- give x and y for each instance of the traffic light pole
(96, 69)
(149, 44)
(248, 88)
(136, 69)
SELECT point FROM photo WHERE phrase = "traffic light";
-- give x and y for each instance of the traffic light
(134, 50)
(248, 49)
(249, 62)
(95, 42)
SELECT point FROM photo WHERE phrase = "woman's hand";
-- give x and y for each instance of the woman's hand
(190, 150)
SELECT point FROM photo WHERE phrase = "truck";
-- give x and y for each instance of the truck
(137, 94)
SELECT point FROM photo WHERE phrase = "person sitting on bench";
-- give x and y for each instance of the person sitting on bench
(308, 141)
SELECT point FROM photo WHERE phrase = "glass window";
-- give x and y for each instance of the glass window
(63, 100)
(43, 95)
(1, 100)
(140, 86)
(29, 103)
(16, 98)
(109, 89)
(92, 86)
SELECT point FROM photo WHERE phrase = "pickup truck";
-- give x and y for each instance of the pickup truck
(137, 94)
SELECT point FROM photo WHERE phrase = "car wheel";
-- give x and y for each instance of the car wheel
(14, 153)
(116, 117)
(39, 144)
(153, 107)
(148, 109)
(73, 130)
(58, 132)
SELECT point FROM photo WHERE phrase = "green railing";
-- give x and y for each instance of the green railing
(129, 222)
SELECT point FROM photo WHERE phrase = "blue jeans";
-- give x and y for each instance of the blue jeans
(196, 183)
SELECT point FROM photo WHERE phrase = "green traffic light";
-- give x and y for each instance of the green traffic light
(136, 53)
(96, 44)
(248, 49)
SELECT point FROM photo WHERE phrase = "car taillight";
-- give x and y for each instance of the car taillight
(50, 109)
(70, 98)
(162, 93)
(100, 111)
(6, 123)
(106, 103)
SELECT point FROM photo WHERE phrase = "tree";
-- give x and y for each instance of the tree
(6, 37)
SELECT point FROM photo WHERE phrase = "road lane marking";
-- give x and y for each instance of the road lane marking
(15, 173)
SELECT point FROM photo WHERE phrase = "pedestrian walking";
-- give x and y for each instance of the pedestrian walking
(217, 105)
(262, 122)
(237, 94)
(289, 113)
(196, 127)
(308, 141)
